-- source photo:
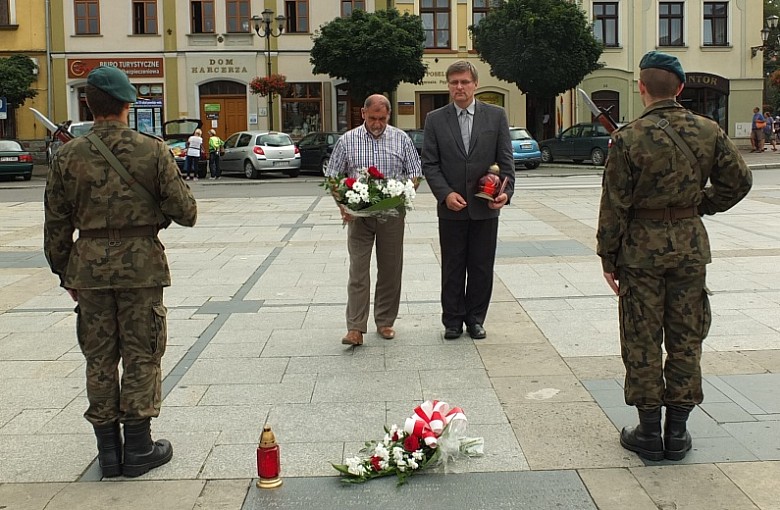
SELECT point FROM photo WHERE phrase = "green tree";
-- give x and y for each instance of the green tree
(544, 47)
(18, 73)
(374, 52)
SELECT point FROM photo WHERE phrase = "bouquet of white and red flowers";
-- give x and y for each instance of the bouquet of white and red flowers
(370, 194)
(432, 436)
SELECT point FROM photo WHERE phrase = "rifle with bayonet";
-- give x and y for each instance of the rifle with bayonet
(599, 114)
(59, 132)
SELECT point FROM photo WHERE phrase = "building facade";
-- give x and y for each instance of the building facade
(196, 59)
(23, 31)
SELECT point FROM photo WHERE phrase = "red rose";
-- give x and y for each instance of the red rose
(395, 436)
(376, 174)
(349, 182)
(411, 444)
(375, 463)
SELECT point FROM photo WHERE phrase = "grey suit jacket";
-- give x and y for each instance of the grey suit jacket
(447, 166)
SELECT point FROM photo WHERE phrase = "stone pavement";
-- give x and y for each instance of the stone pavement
(256, 312)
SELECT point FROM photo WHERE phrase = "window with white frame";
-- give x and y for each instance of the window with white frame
(670, 24)
(716, 22)
(605, 23)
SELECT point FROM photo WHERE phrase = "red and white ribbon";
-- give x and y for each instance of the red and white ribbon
(430, 419)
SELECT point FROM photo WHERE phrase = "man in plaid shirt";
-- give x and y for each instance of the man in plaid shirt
(391, 151)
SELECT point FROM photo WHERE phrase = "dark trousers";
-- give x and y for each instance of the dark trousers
(214, 165)
(669, 308)
(126, 324)
(468, 252)
(191, 165)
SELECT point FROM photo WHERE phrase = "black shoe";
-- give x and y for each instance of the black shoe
(645, 439)
(677, 439)
(452, 333)
(109, 443)
(141, 453)
(476, 331)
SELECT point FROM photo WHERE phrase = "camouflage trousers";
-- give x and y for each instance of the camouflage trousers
(126, 324)
(669, 308)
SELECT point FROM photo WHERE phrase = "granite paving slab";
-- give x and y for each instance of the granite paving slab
(758, 480)
(30, 457)
(692, 487)
(124, 495)
(616, 489)
(476, 491)
(222, 495)
(761, 437)
(28, 496)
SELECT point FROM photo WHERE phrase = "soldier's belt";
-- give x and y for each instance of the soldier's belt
(666, 214)
(115, 235)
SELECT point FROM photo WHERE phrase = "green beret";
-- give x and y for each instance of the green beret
(658, 60)
(113, 82)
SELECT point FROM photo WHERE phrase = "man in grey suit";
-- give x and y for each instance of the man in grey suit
(461, 141)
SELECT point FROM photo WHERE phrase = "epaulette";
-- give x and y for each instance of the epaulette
(158, 138)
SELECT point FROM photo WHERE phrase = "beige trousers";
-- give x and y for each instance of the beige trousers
(388, 235)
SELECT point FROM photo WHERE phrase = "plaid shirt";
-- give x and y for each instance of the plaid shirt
(393, 154)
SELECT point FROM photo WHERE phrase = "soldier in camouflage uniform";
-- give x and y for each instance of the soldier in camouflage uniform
(116, 269)
(654, 250)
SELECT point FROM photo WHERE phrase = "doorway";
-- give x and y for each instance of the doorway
(223, 107)
(430, 102)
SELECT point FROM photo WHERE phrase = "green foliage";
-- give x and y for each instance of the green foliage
(374, 52)
(17, 76)
(545, 47)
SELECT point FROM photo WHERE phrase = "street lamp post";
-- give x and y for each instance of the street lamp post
(263, 28)
(771, 24)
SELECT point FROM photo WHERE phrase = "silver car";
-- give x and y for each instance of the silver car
(252, 152)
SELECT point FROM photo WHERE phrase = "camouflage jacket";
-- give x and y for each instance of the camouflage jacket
(84, 192)
(646, 170)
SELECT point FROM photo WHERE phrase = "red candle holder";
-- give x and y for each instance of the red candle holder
(490, 185)
(268, 461)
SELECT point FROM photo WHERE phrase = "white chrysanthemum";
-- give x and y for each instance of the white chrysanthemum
(418, 455)
(355, 466)
(412, 463)
(381, 451)
(398, 453)
(383, 464)
(386, 440)
(352, 197)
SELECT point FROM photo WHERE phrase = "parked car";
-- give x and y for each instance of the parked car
(252, 152)
(15, 160)
(417, 138)
(578, 143)
(175, 133)
(525, 150)
(315, 149)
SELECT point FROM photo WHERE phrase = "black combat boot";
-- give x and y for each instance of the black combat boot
(109, 443)
(645, 438)
(141, 453)
(677, 440)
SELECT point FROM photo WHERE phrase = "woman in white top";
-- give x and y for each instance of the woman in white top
(194, 147)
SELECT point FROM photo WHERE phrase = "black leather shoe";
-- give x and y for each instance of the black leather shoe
(452, 333)
(477, 331)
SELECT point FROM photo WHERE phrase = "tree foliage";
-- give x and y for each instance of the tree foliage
(374, 52)
(17, 73)
(545, 47)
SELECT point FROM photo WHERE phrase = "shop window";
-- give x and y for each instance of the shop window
(144, 16)
(238, 16)
(87, 16)
(297, 13)
(348, 6)
(435, 16)
(302, 109)
(202, 16)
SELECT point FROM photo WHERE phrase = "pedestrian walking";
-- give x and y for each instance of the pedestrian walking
(117, 187)
(757, 131)
(664, 170)
(391, 151)
(460, 143)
